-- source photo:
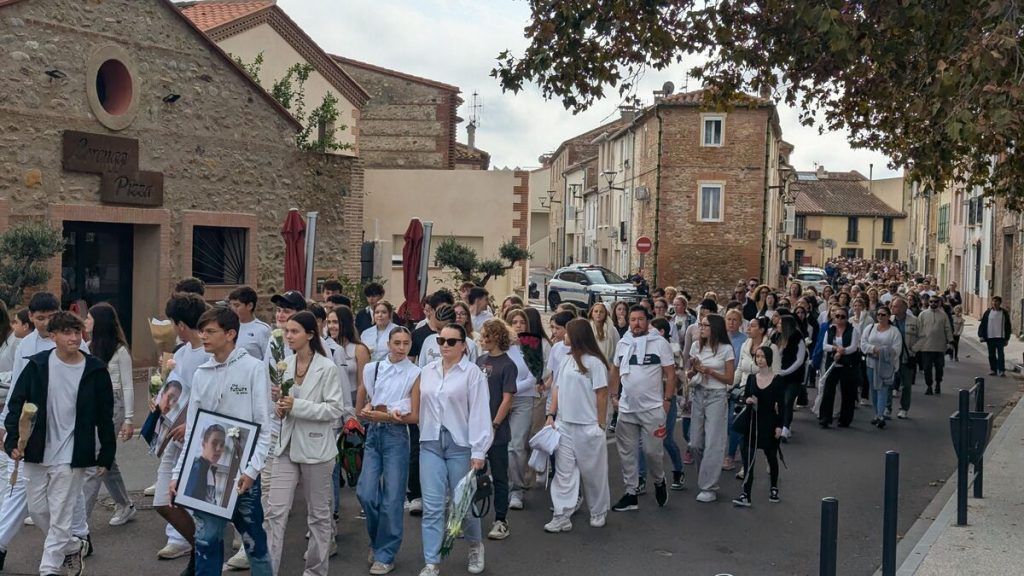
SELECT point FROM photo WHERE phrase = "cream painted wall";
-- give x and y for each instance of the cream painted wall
(834, 227)
(540, 233)
(278, 56)
(469, 204)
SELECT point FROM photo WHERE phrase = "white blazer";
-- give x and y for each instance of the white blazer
(308, 431)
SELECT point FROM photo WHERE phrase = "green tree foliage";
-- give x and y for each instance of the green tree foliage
(468, 266)
(24, 252)
(934, 85)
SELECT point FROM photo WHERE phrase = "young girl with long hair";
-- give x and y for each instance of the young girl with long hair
(376, 336)
(763, 395)
(712, 369)
(579, 402)
(604, 331)
(620, 317)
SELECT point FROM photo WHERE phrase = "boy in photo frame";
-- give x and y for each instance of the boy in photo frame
(235, 384)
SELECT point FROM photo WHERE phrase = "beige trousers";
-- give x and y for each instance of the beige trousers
(316, 484)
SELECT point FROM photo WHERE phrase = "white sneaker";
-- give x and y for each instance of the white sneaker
(29, 521)
(707, 496)
(786, 432)
(864, 402)
(172, 551)
(237, 562)
(902, 414)
(559, 523)
(150, 491)
(122, 515)
(431, 570)
(334, 548)
(476, 558)
(598, 520)
(515, 501)
(499, 531)
(416, 508)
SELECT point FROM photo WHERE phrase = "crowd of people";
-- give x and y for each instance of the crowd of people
(470, 387)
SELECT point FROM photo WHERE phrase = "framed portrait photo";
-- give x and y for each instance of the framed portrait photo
(216, 452)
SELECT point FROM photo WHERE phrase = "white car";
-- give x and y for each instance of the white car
(584, 284)
(808, 276)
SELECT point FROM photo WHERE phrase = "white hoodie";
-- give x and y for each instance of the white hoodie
(240, 388)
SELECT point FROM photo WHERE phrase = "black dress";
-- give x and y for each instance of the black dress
(768, 415)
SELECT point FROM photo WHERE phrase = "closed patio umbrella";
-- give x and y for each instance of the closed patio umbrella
(294, 233)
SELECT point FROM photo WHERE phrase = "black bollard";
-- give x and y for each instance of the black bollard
(979, 406)
(891, 508)
(829, 535)
(961, 462)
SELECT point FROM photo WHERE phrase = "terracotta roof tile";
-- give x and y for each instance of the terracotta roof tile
(839, 194)
(462, 152)
(209, 15)
(696, 98)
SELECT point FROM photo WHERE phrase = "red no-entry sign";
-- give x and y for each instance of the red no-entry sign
(643, 244)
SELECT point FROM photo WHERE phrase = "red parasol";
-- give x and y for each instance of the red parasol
(294, 233)
(412, 309)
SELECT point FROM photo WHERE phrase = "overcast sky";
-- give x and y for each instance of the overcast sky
(457, 41)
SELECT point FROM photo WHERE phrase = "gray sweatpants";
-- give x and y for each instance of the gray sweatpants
(709, 435)
(627, 437)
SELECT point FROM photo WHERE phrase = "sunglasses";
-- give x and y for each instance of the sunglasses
(449, 341)
(840, 317)
(881, 314)
(705, 325)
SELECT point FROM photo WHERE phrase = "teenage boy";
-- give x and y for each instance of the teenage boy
(14, 510)
(330, 288)
(501, 375)
(235, 384)
(478, 307)
(253, 334)
(75, 401)
(644, 366)
(183, 309)
(374, 292)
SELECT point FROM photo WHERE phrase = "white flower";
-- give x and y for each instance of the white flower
(156, 380)
(282, 366)
(233, 432)
(277, 333)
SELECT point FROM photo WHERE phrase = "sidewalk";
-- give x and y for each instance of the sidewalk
(993, 540)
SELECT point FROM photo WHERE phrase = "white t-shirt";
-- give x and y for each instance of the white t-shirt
(576, 401)
(186, 361)
(559, 352)
(377, 340)
(253, 337)
(479, 319)
(715, 360)
(643, 387)
(526, 382)
(61, 404)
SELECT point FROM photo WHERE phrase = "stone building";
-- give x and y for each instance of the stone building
(409, 121)
(259, 29)
(158, 156)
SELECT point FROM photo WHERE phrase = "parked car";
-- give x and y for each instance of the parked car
(809, 276)
(584, 284)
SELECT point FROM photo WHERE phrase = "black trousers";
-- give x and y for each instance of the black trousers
(414, 490)
(932, 362)
(996, 355)
(748, 452)
(845, 379)
(497, 458)
(790, 394)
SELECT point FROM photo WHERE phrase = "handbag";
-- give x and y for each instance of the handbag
(741, 423)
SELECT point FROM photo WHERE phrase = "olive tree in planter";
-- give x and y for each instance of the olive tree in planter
(25, 250)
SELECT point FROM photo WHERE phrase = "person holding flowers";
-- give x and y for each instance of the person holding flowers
(455, 434)
(527, 352)
(388, 400)
(311, 401)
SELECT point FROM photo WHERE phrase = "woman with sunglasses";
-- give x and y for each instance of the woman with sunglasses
(712, 369)
(579, 403)
(841, 347)
(763, 396)
(881, 344)
(305, 450)
(388, 399)
(455, 434)
(376, 337)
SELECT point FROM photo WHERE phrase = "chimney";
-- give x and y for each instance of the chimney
(627, 112)
(471, 136)
(820, 171)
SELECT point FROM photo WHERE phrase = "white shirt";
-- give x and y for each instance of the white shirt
(479, 319)
(61, 404)
(186, 361)
(457, 402)
(995, 324)
(377, 340)
(559, 352)
(643, 385)
(576, 401)
(526, 382)
(714, 360)
(390, 384)
(431, 351)
(253, 337)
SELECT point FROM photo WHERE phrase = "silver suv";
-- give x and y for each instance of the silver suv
(584, 284)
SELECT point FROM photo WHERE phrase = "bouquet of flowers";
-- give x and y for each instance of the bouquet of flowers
(158, 377)
(277, 353)
(533, 353)
(462, 499)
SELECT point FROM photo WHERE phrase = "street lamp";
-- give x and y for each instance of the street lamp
(548, 200)
(609, 175)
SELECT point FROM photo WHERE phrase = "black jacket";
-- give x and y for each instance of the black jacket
(94, 412)
(983, 327)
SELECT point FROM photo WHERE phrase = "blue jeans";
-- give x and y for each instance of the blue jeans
(671, 448)
(381, 487)
(734, 437)
(443, 463)
(248, 521)
(879, 397)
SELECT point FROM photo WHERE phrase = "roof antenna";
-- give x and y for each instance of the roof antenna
(474, 120)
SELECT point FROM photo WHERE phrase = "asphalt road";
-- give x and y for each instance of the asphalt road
(687, 537)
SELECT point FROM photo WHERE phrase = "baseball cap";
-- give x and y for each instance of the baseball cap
(292, 300)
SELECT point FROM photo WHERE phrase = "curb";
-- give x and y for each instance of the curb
(930, 530)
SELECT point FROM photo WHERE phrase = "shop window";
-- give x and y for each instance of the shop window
(219, 254)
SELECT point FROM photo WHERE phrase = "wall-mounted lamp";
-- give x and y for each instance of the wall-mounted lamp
(171, 98)
(609, 175)
(55, 74)
(574, 191)
(548, 200)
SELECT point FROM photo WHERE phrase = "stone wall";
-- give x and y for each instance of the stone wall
(406, 124)
(700, 256)
(223, 147)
